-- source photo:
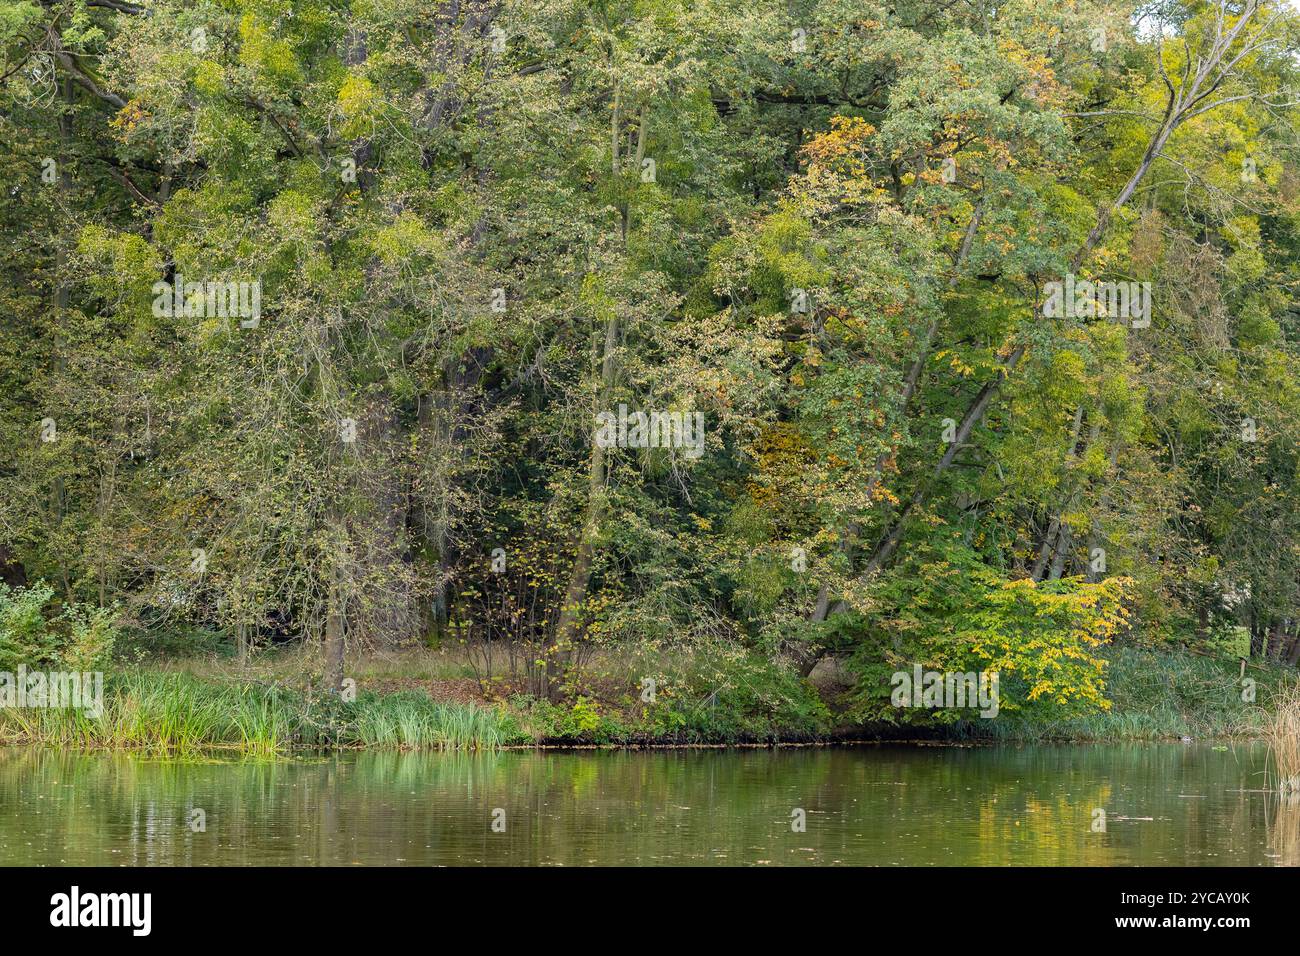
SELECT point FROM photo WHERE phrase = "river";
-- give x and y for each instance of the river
(1092, 805)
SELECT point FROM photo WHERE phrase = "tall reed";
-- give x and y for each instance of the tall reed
(175, 713)
(1283, 734)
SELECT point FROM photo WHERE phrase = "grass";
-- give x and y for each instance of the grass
(1162, 695)
(705, 696)
(268, 709)
(176, 713)
(299, 662)
(1284, 744)
(410, 720)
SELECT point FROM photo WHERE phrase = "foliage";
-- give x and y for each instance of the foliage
(824, 231)
(951, 613)
(79, 638)
(25, 636)
(1160, 694)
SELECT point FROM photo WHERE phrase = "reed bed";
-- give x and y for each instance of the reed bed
(1283, 735)
(176, 713)
(410, 720)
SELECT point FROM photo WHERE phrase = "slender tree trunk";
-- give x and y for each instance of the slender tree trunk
(1045, 551)
(575, 593)
(1293, 652)
(390, 606)
(823, 608)
(566, 629)
(1060, 547)
(335, 631)
(980, 403)
(1275, 636)
(1063, 543)
(974, 412)
(62, 298)
(1180, 105)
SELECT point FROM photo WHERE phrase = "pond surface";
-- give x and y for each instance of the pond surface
(1169, 804)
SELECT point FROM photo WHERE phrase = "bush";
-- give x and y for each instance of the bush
(137, 644)
(955, 614)
(91, 635)
(724, 691)
(25, 636)
(82, 637)
(581, 721)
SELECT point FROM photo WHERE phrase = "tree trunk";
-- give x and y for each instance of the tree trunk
(823, 608)
(241, 643)
(1275, 635)
(1293, 652)
(1063, 542)
(1179, 107)
(389, 612)
(1045, 550)
(335, 632)
(566, 630)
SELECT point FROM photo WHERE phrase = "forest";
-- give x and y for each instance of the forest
(712, 344)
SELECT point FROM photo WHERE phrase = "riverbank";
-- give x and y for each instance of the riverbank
(423, 702)
(1167, 695)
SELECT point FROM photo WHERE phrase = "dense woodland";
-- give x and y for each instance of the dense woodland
(466, 230)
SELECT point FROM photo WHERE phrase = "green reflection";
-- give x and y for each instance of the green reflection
(871, 805)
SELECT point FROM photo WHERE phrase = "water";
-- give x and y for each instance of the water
(1181, 805)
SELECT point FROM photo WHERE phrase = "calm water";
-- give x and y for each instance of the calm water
(1165, 804)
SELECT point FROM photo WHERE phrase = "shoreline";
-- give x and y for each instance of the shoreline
(232, 749)
(1154, 695)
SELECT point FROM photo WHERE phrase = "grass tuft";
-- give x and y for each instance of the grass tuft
(1284, 744)
(176, 713)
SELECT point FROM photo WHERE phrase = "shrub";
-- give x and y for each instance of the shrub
(91, 636)
(25, 636)
(722, 690)
(956, 614)
(81, 637)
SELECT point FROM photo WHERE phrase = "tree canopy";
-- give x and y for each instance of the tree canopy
(954, 333)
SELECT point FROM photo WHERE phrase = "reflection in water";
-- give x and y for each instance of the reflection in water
(869, 805)
(1284, 833)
